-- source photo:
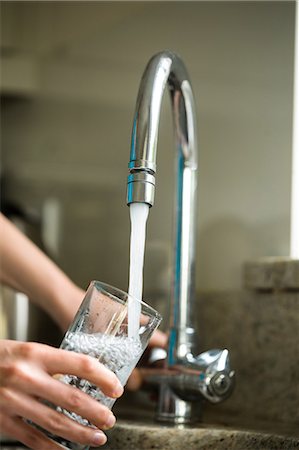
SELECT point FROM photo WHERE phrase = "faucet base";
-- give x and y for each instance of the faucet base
(172, 409)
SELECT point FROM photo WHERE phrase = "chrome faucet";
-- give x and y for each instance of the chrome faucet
(184, 379)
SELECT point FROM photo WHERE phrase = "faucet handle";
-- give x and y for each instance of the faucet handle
(208, 374)
(216, 377)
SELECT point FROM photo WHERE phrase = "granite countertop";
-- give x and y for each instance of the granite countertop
(136, 429)
(129, 435)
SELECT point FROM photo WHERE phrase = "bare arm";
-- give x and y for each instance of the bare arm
(26, 268)
(26, 369)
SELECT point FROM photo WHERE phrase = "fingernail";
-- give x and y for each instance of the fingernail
(99, 438)
(118, 390)
(110, 421)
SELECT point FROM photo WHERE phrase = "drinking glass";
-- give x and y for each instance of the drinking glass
(100, 330)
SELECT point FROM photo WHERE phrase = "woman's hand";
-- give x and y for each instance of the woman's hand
(26, 376)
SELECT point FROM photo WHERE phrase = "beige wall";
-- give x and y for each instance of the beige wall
(69, 139)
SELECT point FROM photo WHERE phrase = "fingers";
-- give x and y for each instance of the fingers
(61, 361)
(87, 368)
(135, 380)
(67, 397)
(159, 339)
(25, 373)
(19, 430)
(51, 420)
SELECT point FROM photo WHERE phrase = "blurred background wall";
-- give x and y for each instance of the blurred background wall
(69, 79)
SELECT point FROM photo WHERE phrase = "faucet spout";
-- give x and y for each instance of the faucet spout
(167, 69)
(185, 378)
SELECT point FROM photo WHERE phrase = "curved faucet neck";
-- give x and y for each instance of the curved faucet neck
(165, 68)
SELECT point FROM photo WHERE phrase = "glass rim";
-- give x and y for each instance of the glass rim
(107, 286)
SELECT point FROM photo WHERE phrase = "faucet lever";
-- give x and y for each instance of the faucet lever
(207, 375)
(216, 377)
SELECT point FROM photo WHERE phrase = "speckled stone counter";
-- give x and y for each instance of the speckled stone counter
(272, 274)
(132, 436)
(261, 330)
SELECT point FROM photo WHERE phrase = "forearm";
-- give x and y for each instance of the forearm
(26, 268)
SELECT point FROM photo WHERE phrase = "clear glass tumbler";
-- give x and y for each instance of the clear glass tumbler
(100, 330)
